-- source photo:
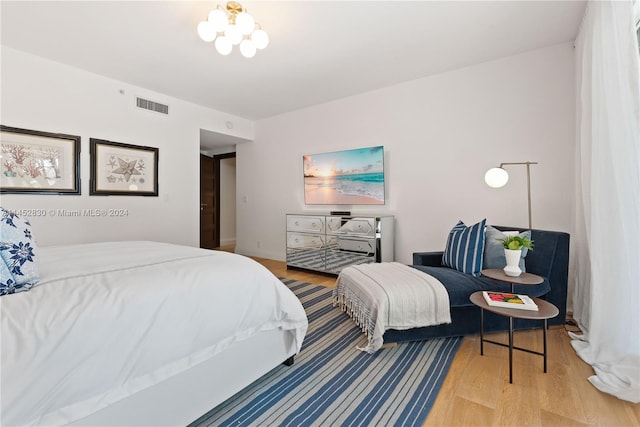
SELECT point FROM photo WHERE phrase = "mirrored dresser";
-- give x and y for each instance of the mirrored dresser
(329, 243)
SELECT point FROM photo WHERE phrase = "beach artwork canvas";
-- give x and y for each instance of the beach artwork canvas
(349, 177)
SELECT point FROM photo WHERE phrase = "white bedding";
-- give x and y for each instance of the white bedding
(110, 319)
(390, 295)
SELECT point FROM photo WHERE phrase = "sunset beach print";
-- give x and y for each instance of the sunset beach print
(350, 177)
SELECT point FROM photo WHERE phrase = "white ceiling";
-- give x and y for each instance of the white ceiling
(319, 50)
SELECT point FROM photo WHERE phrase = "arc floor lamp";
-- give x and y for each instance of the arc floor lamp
(498, 177)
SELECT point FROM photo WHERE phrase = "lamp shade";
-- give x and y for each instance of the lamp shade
(496, 177)
(247, 48)
(223, 46)
(245, 23)
(218, 19)
(233, 34)
(206, 31)
(260, 38)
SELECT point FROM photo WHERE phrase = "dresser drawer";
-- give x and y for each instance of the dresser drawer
(367, 246)
(353, 226)
(305, 223)
(334, 223)
(304, 240)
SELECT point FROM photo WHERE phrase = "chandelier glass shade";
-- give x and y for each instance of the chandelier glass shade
(233, 26)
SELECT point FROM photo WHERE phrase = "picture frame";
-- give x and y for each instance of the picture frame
(119, 169)
(354, 176)
(37, 162)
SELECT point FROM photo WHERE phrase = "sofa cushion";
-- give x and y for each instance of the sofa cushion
(493, 256)
(460, 286)
(464, 249)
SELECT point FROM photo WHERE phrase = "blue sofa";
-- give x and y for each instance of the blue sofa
(549, 259)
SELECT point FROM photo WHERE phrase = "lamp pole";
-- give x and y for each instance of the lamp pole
(528, 164)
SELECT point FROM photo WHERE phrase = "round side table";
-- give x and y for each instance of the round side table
(522, 279)
(546, 311)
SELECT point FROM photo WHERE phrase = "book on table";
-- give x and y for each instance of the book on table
(509, 300)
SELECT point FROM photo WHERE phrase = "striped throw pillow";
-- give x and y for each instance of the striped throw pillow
(465, 246)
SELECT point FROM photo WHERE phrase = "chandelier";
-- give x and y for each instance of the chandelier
(233, 26)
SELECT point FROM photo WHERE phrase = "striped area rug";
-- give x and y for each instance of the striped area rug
(333, 384)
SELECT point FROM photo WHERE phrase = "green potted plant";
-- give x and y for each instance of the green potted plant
(516, 243)
(513, 251)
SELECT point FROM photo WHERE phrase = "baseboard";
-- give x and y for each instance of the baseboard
(259, 254)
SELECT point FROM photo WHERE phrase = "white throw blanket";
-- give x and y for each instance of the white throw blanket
(390, 295)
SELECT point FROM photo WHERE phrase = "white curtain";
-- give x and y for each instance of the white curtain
(606, 237)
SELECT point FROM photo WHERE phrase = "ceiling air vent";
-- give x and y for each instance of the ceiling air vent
(152, 106)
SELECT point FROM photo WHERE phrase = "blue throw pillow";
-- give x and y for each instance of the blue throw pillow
(18, 252)
(7, 284)
(494, 251)
(465, 246)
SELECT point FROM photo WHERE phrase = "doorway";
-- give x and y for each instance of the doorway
(217, 201)
(226, 204)
(207, 202)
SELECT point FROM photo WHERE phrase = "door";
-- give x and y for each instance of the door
(207, 203)
(217, 191)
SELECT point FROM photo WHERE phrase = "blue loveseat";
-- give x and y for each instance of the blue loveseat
(549, 259)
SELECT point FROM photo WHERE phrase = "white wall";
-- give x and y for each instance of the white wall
(47, 96)
(228, 201)
(440, 134)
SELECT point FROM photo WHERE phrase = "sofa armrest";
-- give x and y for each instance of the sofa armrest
(431, 259)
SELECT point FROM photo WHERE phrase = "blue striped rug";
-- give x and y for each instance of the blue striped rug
(333, 384)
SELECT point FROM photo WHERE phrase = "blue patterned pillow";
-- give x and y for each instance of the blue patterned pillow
(18, 252)
(7, 284)
(465, 246)
(494, 251)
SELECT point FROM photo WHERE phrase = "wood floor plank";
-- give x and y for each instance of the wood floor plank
(559, 395)
(518, 403)
(483, 377)
(467, 413)
(552, 419)
(442, 410)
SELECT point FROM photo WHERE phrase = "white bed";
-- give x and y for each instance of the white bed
(140, 333)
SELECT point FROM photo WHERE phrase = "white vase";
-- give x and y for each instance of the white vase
(513, 260)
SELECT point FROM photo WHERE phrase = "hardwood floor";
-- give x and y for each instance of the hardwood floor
(476, 391)
(279, 268)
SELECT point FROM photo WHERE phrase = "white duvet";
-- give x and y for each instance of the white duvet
(109, 319)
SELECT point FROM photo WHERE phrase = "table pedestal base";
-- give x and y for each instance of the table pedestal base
(511, 346)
